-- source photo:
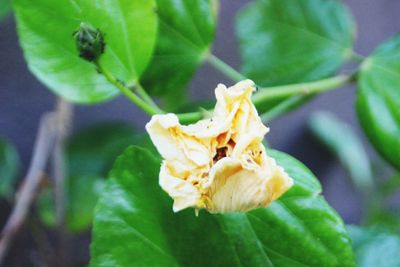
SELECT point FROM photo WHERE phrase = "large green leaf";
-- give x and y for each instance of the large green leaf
(286, 41)
(375, 246)
(186, 31)
(45, 30)
(344, 143)
(134, 225)
(9, 163)
(378, 99)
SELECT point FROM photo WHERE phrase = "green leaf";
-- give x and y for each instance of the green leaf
(344, 143)
(285, 41)
(378, 99)
(186, 31)
(93, 150)
(5, 8)
(384, 216)
(82, 193)
(9, 164)
(90, 155)
(375, 246)
(45, 30)
(134, 225)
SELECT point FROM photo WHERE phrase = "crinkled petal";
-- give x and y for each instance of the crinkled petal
(173, 143)
(183, 192)
(234, 105)
(234, 188)
(220, 163)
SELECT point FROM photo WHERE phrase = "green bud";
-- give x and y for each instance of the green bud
(89, 42)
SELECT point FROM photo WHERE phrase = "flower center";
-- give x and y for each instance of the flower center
(221, 153)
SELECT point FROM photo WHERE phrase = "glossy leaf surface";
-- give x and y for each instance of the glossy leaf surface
(286, 41)
(134, 224)
(378, 100)
(46, 30)
(186, 31)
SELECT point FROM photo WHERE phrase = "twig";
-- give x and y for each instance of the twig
(53, 128)
(62, 126)
(26, 194)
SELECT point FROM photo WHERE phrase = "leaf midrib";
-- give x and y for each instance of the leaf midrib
(183, 37)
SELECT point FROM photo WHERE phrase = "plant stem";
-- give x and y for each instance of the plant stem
(259, 99)
(149, 109)
(225, 68)
(29, 188)
(282, 108)
(62, 125)
(296, 92)
(276, 92)
(190, 117)
(142, 92)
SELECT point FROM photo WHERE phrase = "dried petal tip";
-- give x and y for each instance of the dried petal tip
(89, 42)
(219, 164)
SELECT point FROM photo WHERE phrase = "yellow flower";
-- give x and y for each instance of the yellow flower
(219, 164)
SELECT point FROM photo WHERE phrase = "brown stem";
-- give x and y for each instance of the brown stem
(63, 125)
(48, 136)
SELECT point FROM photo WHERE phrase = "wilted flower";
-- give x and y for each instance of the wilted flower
(219, 164)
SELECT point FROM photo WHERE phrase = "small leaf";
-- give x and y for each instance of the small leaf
(134, 225)
(375, 246)
(129, 28)
(9, 164)
(186, 31)
(285, 41)
(378, 99)
(344, 143)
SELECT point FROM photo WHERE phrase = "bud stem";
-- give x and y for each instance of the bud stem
(142, 92)
(146, 107)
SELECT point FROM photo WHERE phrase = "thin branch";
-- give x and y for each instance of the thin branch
(224, 68)
(284, 107)
(142, 104)
(293, 92)
(62, 127)
(51, 132)
(310, 88)
(145, 96)
(26, 194)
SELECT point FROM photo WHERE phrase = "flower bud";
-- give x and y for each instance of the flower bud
(89, 42)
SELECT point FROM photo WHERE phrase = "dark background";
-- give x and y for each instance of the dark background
(23, 99)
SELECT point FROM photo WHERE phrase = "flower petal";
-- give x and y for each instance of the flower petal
(234, 188)
(174, 144)
(219, 164)
(183, 192)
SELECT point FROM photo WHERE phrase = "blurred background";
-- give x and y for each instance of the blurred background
(23, 100)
